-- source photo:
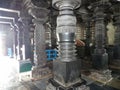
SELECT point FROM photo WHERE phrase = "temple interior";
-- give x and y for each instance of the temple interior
(59, 44)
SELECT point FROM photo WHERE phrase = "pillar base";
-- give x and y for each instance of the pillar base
(53, 85)
(100, 61)
(103, 76)
(40, 73)
(117, 52)
(66, 73)
(110, 54)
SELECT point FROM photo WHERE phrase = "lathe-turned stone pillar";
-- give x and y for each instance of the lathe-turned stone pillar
(100, 57)
(40, 58)
(117, 32)
(66, 68)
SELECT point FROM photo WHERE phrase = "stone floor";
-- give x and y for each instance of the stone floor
(41, 84)
(29, 85)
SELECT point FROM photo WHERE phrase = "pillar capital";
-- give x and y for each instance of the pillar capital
(38, 12)
(39, 21)
(37, 3)
(25, 18)
(66, 21)
(61, 4)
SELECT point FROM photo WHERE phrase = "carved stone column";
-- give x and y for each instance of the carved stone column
(66, 68)
(26, 45)
(40, 58)
(117, 32)
(53, 17)
(39, 43)
(18, 43)
(21, 41)
(14, 43)
(100, 57)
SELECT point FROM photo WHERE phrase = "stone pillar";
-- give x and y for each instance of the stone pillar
(66, 68)
(26, 46)
(39, 40)
(40, 17)
(100, 57)
(14, 43)
(117, 32)
(53, 17)
(18, 43)
(66, 28)
(20, 39)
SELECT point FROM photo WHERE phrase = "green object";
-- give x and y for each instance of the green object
(25, 66)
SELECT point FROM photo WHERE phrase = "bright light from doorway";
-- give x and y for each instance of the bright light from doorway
(1, 46)
(9, 71)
